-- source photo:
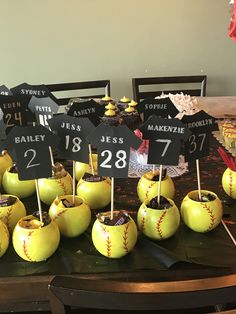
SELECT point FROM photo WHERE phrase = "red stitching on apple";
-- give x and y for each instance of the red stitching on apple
(230, 183)
(211, 213)
(125, 238)
(143, 219)
(159, 222)
(149, 189)
(25, 248)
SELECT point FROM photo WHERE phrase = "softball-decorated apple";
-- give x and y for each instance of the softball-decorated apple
(11, 210)
(59, 184)
(81, 168)
(114, 238)
(148, 186)
(72, 218)
(204, 215)
(5, 161)
(13, 185)
(158, 221)
(95, 191)
(4, 238)
(33, 240)
(229, 182)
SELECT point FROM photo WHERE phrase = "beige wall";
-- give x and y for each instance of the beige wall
(54, 41)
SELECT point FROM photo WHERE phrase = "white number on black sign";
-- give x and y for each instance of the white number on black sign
(32, 154)
(120, 159)
(76, 143)
(43, 119)
(11, 118)
(193, 138)
(167, 144)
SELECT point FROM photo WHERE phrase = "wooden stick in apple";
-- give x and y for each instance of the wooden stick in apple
(73, 181)
(159, 186)
(112, 198)
(153, 169)
(91, 159)
(198, 180)
(38, 200)
(51, 156)
(229, 233)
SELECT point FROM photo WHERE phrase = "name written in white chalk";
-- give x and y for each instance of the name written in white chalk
(165, 128)
(29, 138)
(70, 126)
(11, 105)
(110, 139)
(43, 108)
(197, 124)
(82, 112)
(156, 106)
(32, 92)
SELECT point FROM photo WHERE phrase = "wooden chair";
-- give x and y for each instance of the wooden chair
(103, 85)
(166, 82)
(66, 292)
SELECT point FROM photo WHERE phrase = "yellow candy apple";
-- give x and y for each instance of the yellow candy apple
(81, 168)
(201, 216)
(160, 223)
(11, 210)
(72, 219)
(12, 185)
(5, 161)
(114, 241)
(4, 238)
(147, 188)
(229, 182)
(59, 184)
(35, 241)
(96, 194)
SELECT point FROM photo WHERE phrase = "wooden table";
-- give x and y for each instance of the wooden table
(224, 106)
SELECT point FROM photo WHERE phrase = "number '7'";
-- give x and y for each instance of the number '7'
(166, 146)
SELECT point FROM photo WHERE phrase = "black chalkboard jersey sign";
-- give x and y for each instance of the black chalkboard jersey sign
(31, 148)
(165, 136)
(44, 108)
(201, 124)
(162, 107)
(32, 90)
(87, 109)
(113, 144)
(72, 133)
(15, 110)
(4, 91)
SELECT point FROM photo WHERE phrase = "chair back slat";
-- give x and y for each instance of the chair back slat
(85, 90)
(138, 83)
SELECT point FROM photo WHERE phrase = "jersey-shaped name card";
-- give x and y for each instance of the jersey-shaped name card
(31, 148)
(72, 133)
(4, 91)
(113, 144)
(87, 109)
(162, 107)
(15, 110)
(201, 124)
(164, 137)
(43, 108)
(32, 90)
